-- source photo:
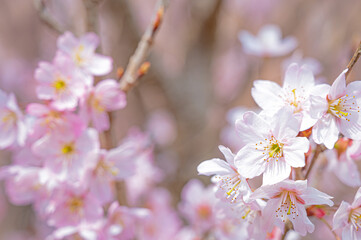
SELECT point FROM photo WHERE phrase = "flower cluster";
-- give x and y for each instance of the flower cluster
(278, 143)
(58, 164)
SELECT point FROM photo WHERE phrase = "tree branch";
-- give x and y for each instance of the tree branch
(318, 150)
(91, 8)
(46, 17)
(353, 60)
(134, 68)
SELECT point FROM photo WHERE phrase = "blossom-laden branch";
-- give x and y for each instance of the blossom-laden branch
(353, 60)
(137, 66)
(47, 17)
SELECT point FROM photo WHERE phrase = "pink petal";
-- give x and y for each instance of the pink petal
(100, 65)
(276, 171)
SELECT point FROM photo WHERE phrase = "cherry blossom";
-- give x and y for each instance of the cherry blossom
(82, 53)
(59, 82)
(347, 218)
(287, 200)
(72, 204)
(273, 146)
(12, 125)
(106, 96)
(66, 153)
(295, 92)
(231, 185)
(337, 110)
(268, 42)
(342, 163)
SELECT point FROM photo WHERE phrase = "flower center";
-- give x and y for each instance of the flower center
(78, 58)
(68, 149)
(287, 207)
(355, 218)
(59, 84)
(204, 211)
(75, 204)
(271, 148)
(9, 118)
(231, 184)
(343, 107)
(293, 99)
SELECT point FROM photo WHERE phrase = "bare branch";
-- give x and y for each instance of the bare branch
(319, 149)
(91, 8)
(47, 17)
(131, 74)
(353, 60)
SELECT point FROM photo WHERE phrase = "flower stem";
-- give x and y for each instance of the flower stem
(353, 60)
(329, 227)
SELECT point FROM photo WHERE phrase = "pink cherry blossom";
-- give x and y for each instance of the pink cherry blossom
(230, 184)
(342, 163)
(338, 111)
(347, 218)
(48, 120)
(273, 146)
(122, 222)
(297, 86)
(82, 53)
(106, 167)
(106, 96)
(12, 126)
(287, 200)
(72, 204)
(59, 82)
(198, 205)
(268, 42)
(66, 153)
(162, 223)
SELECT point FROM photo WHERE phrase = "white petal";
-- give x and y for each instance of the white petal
(276, 171)
(314, 197)
(267, 95)
(338, 88)
(325, 131)
(294, 151)
(214, 166)
(250, 162)
(252, 128)
(340, 219)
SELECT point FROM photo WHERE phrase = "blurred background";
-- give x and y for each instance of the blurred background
(199, 71)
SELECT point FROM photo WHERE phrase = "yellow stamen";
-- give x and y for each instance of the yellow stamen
(79, 60)
(246, 213)
(59, 84)
(75, 204)
(232, 189)
(68, 149)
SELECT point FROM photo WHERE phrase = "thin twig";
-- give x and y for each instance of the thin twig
(353, 60)
(131, 74)
(91, 9)
(47, 17)
(329, 227)
(318, 150)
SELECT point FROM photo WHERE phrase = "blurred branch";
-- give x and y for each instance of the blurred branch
(46, 17)
(91, 8)
(318, 150)
(137, 61)
(330, 227)
(353, 60)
